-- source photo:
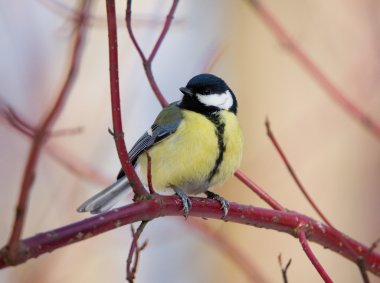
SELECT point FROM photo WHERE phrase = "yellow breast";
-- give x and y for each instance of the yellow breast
(186, 158)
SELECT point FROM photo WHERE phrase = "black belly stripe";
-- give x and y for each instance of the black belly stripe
(219, 131)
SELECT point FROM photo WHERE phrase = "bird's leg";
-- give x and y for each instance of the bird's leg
(185, 200)
(224, 203)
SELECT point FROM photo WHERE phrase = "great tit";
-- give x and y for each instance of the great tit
(194, 144)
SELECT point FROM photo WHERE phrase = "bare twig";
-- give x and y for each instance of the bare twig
(66, 132)
(118, 133)
(11, 116)
(149, 173)
(361, 262)
(284, 270)
(257, 190)
(135, 250)
(333, 91)
(41, 131)
(305, 245)
(147, 62)
(293, 173)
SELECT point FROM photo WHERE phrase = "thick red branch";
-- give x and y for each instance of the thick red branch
(160, 206)
(118, 133)
(335, 93)
(41, 132)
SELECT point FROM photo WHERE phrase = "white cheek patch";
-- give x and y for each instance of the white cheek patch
(223, 100)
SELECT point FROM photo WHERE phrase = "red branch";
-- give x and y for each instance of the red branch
(160, 206)
(311, 256)
(41, 132)
(147, 63)
(335, 93)
(118, 133)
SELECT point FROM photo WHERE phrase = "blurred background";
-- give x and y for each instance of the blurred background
(336, 158)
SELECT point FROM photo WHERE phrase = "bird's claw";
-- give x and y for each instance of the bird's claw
(186, 202)
(225, 205)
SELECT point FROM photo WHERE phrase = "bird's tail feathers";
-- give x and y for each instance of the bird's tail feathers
(107, 198)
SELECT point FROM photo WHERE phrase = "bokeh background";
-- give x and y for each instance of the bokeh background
(337, 159)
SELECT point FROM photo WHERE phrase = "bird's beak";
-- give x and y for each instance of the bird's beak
(186, 91)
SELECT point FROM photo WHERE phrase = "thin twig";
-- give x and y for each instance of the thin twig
(149, 173)
(135, 250)
(17, 122)
(147, 63)
(333, 91)
(257, 190)
(66, 132)
(360, 261)
(284, 270)
(293, 173)
(40, 133)
(305, 245)
(118, 133)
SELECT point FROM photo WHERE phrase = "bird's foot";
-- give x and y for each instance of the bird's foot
(186, 202)
(223, 202)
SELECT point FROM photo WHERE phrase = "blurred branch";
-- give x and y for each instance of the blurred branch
(311, 256)
(230, 249)
(65, 158)
(159, 206)
(215, 53)
(41, 131)
(65, 11)
(118, 133)
(333, 91)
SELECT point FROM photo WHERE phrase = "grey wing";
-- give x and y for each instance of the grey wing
(151, 137)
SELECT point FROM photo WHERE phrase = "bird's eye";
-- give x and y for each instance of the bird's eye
(207, 91)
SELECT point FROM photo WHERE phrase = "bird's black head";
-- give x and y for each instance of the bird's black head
(206, 93)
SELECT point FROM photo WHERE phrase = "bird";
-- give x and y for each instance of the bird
(195, 144)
